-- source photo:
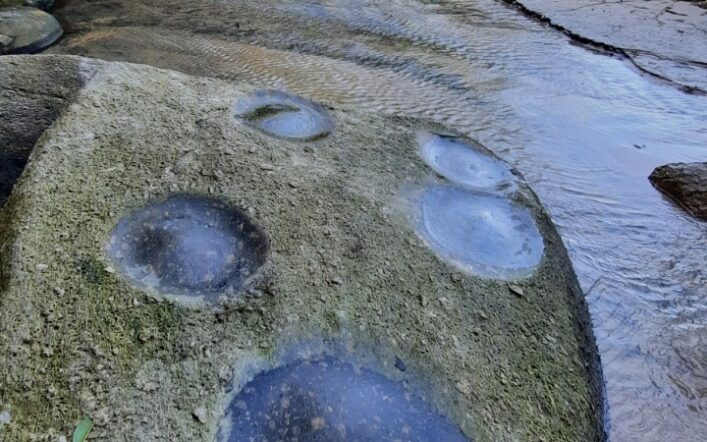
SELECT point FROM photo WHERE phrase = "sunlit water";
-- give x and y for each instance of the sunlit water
(584, 129)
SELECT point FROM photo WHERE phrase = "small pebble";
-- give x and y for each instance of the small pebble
(399, 364)
(200, 414)
(318, 423)
(516, 290)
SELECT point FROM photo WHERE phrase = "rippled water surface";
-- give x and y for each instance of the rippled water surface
(585, 129)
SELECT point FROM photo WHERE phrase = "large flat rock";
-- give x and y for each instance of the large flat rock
(663, 37)
(345, 273)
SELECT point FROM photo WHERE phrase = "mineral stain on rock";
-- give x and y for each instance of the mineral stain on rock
(327, 399)
(465, 165)
(487, 235)
(27, 30)
(188, 245)
(284, 116)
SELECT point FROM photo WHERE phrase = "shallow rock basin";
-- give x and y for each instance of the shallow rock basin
(284, 116)
(486, 235)
(327, 399)
(188, 245)
(465, 165)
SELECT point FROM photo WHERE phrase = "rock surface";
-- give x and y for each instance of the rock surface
(26, 30)
(686, 183)
(32, 95)
(345, 271)
(663, 37)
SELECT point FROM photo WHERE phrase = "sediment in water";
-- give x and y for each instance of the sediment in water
(345, 265)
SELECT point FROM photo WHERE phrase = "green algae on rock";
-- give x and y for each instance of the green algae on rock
(345, 264)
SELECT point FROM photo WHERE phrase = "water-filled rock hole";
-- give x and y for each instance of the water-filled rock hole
(327, 399)
(188, 245)
(487, 235)
(284, 116)
(465, 165)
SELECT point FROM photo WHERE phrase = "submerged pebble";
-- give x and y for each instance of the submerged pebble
(188, 245)
(465, 165)
(284, 116)
(326, 399)
(27, 30)
(487, 235)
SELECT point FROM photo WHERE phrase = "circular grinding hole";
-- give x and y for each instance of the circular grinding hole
(487, 235)
(326, 399)
(465, 165)
(188, 245)
(284, 116)
(27, 30)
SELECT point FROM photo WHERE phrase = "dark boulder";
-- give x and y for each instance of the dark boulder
(44, 5)
(686, 183)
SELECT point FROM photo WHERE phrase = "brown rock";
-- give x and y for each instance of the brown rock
(686, 183)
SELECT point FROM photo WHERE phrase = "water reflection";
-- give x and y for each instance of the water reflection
(326, 399)
(486, 235)
(464, 165)
(284, 116)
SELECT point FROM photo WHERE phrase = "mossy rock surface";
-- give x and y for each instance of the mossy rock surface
(345, 272)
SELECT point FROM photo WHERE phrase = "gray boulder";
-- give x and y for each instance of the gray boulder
(686, 183)
(27, 30)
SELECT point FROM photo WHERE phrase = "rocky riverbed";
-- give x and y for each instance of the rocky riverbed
(444, 79)
(346, 273)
